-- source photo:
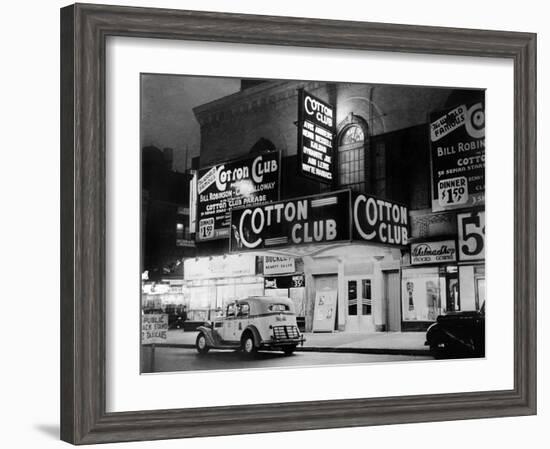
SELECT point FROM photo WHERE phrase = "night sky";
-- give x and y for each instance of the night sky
(167, 118)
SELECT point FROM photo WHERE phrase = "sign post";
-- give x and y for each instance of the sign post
(154, 329)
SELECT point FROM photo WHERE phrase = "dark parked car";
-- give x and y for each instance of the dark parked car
(458, 335)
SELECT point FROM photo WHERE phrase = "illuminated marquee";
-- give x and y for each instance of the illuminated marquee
(326, 218)
(316, 128)
(381, 221)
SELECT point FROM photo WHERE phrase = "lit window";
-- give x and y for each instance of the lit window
(351, 159)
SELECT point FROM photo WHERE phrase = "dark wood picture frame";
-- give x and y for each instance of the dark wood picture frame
(84, 29)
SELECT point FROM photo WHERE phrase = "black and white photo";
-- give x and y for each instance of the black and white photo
(305, 223)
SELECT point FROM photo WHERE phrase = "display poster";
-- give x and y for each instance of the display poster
(249, 181)
(471, 235)
(279, 265)
(457, 142)
(324, 314)
(378, 220)
(322, 218)
(421, 295)
(316, 137)
(433, 252)
(154, 328)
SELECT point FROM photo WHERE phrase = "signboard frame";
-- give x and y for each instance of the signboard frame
(434, 197)
(300, 140)
(337, 192)
(206, 168)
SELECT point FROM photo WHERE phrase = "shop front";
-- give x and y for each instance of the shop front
(211, 282)
(284, 276)
(345, 244)
(436, 282)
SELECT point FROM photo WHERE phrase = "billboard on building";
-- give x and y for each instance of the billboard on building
(442, 251)
(315, 219)
(324, 218)
(457, 144)
(249, 181)
(380, 221)
(471, 235)
(316, 132)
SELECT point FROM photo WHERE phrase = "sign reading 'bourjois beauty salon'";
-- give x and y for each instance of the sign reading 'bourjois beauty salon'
(324, 218)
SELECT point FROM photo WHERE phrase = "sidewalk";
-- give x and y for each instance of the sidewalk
(394, 343)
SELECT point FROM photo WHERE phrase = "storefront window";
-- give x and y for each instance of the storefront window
(423, 292)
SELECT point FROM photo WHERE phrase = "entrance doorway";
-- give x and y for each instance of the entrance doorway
(359, 302)
(392, 301)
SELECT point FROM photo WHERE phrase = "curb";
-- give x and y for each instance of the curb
(388, 351)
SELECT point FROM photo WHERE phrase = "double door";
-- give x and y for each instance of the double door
(359, 304)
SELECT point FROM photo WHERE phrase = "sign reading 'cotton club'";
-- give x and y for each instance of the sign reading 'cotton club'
(378, 220)
(248, 181)
(326, 218)
(316, 128)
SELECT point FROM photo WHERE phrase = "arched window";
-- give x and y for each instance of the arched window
(351, 158)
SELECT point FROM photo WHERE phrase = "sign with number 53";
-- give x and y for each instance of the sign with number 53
(471, 235)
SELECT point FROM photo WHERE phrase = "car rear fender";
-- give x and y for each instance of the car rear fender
(255, 334)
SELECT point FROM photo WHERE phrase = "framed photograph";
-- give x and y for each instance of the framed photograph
(274, 224)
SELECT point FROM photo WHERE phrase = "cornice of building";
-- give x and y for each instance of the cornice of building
(250, 99)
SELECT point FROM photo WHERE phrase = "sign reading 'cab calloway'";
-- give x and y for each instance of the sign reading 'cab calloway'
(249, 181)
(316, 128)
(325, 218)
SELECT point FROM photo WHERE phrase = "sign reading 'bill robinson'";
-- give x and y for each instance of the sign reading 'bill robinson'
(457, 141)
(316, 128)
(324, 218)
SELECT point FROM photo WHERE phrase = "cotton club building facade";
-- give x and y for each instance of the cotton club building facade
(324, 186)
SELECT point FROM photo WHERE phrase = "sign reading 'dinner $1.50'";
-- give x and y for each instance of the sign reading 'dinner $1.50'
(249, 181)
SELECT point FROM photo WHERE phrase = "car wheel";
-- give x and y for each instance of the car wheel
(438, 351)
(201, 344)
(248, 346)
(289, 350)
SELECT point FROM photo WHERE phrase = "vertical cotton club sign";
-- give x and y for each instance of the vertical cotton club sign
(316, 128)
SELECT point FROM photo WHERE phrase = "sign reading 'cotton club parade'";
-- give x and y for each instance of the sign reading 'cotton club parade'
(249, 181)
(325, 218)
(316, 128)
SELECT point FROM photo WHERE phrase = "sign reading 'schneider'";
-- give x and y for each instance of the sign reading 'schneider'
(325, 218)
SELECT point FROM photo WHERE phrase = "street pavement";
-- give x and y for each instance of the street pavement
(390, 343)
(170, 359)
